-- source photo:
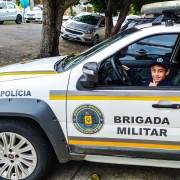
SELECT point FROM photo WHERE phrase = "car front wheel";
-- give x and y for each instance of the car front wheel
(25, 153)
(95, 40)
(64, 38)
(18, 19)
(1, 22)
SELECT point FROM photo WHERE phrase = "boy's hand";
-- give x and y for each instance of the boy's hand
(125, 67)
(153, 83)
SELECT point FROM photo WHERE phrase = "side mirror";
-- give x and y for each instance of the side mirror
(102, 25)
(90, 72)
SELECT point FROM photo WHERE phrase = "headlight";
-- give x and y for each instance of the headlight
(63, 25)
(89, 32)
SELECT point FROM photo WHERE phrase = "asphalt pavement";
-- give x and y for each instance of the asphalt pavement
(20, 43)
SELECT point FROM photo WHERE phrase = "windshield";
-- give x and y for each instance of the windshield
(74, 59)
(88, 19)
(38, 8)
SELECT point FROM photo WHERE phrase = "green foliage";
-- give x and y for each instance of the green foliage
(101, 5)
(9, 22)
(132, 10)
(73, 13)
(76, 3)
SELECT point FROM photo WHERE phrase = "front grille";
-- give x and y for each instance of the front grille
(75, 39)
(30, 14)
(73, 31)
(30, 18)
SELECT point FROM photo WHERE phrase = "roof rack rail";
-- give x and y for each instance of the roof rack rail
(158, 20)
(136, 21)
(168, 16)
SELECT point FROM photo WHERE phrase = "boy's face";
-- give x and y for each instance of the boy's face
(158, 73)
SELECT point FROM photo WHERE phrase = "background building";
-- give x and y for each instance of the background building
(82, 7)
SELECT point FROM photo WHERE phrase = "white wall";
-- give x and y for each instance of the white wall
(79, 8)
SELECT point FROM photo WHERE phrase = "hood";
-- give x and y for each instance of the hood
(79, 25)
(34, 12)
(37, 67)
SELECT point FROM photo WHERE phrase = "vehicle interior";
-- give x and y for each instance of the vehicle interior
(139, 56)
(111, 73)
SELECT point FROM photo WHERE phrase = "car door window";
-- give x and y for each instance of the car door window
(11, 6)
(151, 47)
(3, 5)
(89, 19)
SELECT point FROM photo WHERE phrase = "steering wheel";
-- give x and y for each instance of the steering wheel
(120, 72)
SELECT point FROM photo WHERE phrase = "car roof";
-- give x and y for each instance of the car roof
(168, 18)
(88, 13)
(168, 12)
(147, 25)
(133, 16)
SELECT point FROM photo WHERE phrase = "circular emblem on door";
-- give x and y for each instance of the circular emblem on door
(88, 119)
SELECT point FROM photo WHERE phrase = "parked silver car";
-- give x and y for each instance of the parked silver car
(85, 27)
(9, 12)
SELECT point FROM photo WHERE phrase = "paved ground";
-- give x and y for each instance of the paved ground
(21, 42)
(83, 171)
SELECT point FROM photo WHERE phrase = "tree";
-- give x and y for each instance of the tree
(31, 4)
(113, 7)
(53, 11)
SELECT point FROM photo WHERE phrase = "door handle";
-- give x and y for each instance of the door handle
(172, 106)
(141, 51)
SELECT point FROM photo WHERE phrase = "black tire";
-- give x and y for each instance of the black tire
(44, 155)
(27, 21)
(1, 22)
(95, 40)
(18, 19)
(64, 38)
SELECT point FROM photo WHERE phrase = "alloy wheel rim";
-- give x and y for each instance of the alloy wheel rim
(18, 157)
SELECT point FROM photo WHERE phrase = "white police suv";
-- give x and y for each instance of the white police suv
(83, 107)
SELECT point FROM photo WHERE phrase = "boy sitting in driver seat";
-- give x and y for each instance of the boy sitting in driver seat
(159, 71)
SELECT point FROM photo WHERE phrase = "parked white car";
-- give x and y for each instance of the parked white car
(34, 15)
(131, 16)
(10, 12)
